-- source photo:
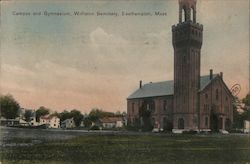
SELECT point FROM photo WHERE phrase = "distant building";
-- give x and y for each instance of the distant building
(50, 120)
(111, 122)
(68, 124)
(9, 122)
(246, 126)
(23, 122)
(33, 121)
(190, 101)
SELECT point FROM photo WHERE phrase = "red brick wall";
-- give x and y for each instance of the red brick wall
(222, 105)
(158, 114)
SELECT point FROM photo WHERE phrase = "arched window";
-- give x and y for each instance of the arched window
(220, 123)
(206, 121)
(165, 105)
(184, 59)
(217, 94)
(180, 123)
(164, 121)
(133, 107)
(228, 124)
(206, 96)
(192, 14)
(153, 121)
(183, 13)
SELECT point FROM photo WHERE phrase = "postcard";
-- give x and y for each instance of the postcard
(126, 81)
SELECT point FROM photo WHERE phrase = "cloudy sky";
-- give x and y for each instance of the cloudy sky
(83, 62)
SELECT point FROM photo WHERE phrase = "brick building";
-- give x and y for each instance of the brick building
(190, 101)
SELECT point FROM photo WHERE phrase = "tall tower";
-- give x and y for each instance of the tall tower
(187, 42)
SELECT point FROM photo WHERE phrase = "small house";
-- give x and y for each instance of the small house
(111, 122)
(50, 121)
(68, 123)
(246, 126)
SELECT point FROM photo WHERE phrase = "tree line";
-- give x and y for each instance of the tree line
(10, 109)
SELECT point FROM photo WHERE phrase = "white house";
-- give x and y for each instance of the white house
(246, 126)
(50, 121)
(23, 122)
(68, 123)
(33, 121)
(111, 122)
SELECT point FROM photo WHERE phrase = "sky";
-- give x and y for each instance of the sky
(89, 61)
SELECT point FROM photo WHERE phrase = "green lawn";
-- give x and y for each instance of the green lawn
(135, 149)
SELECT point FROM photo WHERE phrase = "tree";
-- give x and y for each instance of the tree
(239, 118)
(96, 114)
(9, 107)
(77, 116)
(145, 114)
(55, 114)
(41, 111)
(246, 100)
(27, 115)
(64, 115)
(87, 122)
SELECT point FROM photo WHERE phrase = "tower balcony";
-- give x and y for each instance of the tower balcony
(187, 34)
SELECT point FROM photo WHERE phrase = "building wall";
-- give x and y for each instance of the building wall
(54, 122)
(221, 104)
(215, 98)
(162, 112)
(68, 123)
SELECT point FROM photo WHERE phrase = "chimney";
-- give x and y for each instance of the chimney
(211, 74)
(140, 84)
(221, 75)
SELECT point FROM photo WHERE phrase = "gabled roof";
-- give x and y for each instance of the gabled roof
(165, 88)
(67, 120)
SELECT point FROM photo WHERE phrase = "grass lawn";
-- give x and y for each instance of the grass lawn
(134, 149)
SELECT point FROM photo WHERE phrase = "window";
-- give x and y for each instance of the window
(206, 108)
(226, 109)
(165, 105)
(164, 120)
(181, 123)
(206, 121)
(220, 123)
(217, 94)
(226, 98)
(184, 59)
(153, 121)
(192, 14)
(183, 15)
(133, 107)
(206, 96)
